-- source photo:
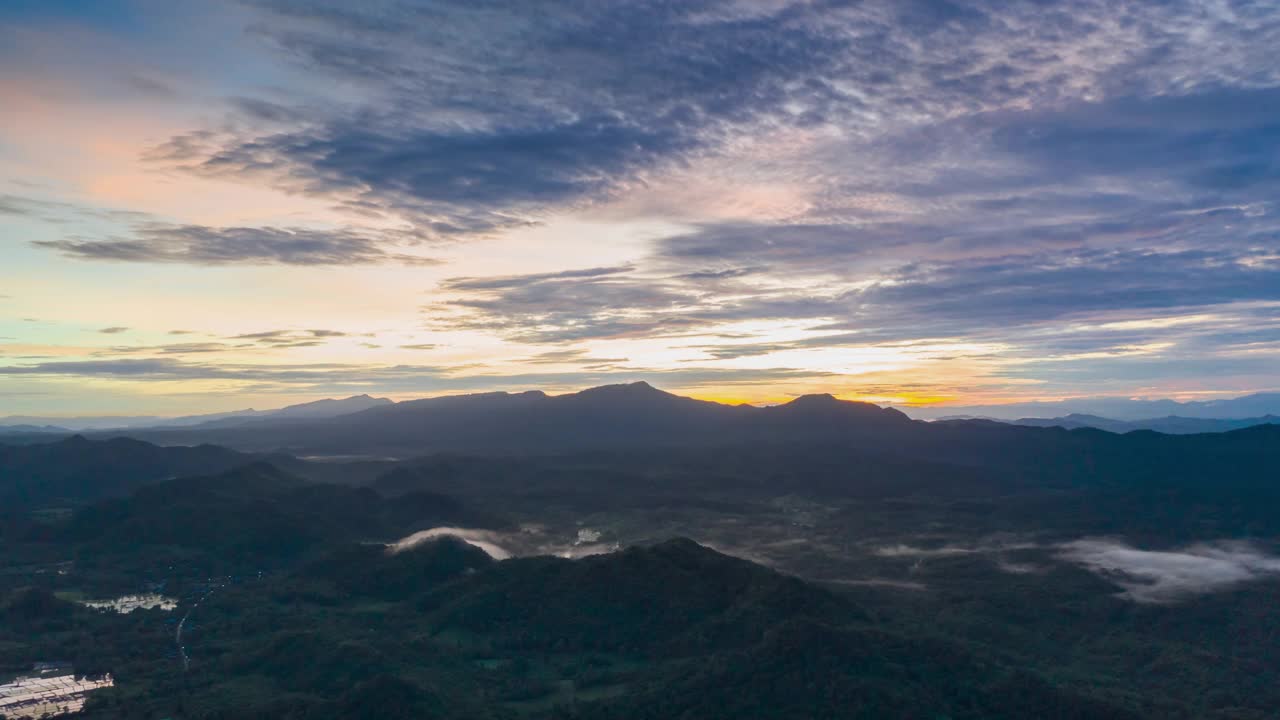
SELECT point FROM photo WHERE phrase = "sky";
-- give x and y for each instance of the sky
(207, 206)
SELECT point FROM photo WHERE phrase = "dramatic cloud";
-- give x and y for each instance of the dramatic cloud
(976, 198)
(473, 118)
(485, 117)
(1149, 576)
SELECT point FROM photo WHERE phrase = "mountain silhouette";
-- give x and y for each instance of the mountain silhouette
(610, 416)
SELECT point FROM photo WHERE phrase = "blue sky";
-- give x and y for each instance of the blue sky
(205, 206)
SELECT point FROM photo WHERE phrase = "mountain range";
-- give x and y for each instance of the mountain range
(1111, 414)
(604, 417)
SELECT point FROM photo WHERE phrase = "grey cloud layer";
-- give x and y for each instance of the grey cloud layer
(340, 377)
(485, 115)
(474, 116)
(200, 245)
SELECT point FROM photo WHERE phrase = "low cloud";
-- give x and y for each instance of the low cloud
(995, 546)
(1168, 576)
(483, 539)
(901, 550)
(113, 330)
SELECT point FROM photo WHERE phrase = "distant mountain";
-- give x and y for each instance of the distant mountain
(88, 422)
(610, 416)
(1248, 406)
(306, 411)
(1171, 425)
(33, 429)
(330, 407)
(317, 409)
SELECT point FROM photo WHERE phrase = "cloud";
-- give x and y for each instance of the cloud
(1017, 178)
(502, 282)
(59, 212)
(1030, 306)
(9, 205)
(354, 378)
(483, 539)
(113, 330)
(1150, 576)
(484, 117)
(419, 346)
(565, 306)
(200, 245)
(1026, 289)
(172, 349)
(902, 550)
(140, 368)
(576, 357)
(289, 338)
(472, 118)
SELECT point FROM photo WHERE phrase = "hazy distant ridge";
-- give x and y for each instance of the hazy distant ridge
(1126, 409)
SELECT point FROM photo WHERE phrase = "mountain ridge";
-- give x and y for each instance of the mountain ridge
(1117, 408)
(606, 416)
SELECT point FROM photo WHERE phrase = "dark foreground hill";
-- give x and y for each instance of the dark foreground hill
(668, 631)
(251, 517)
(59, 474)
(76, 470)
